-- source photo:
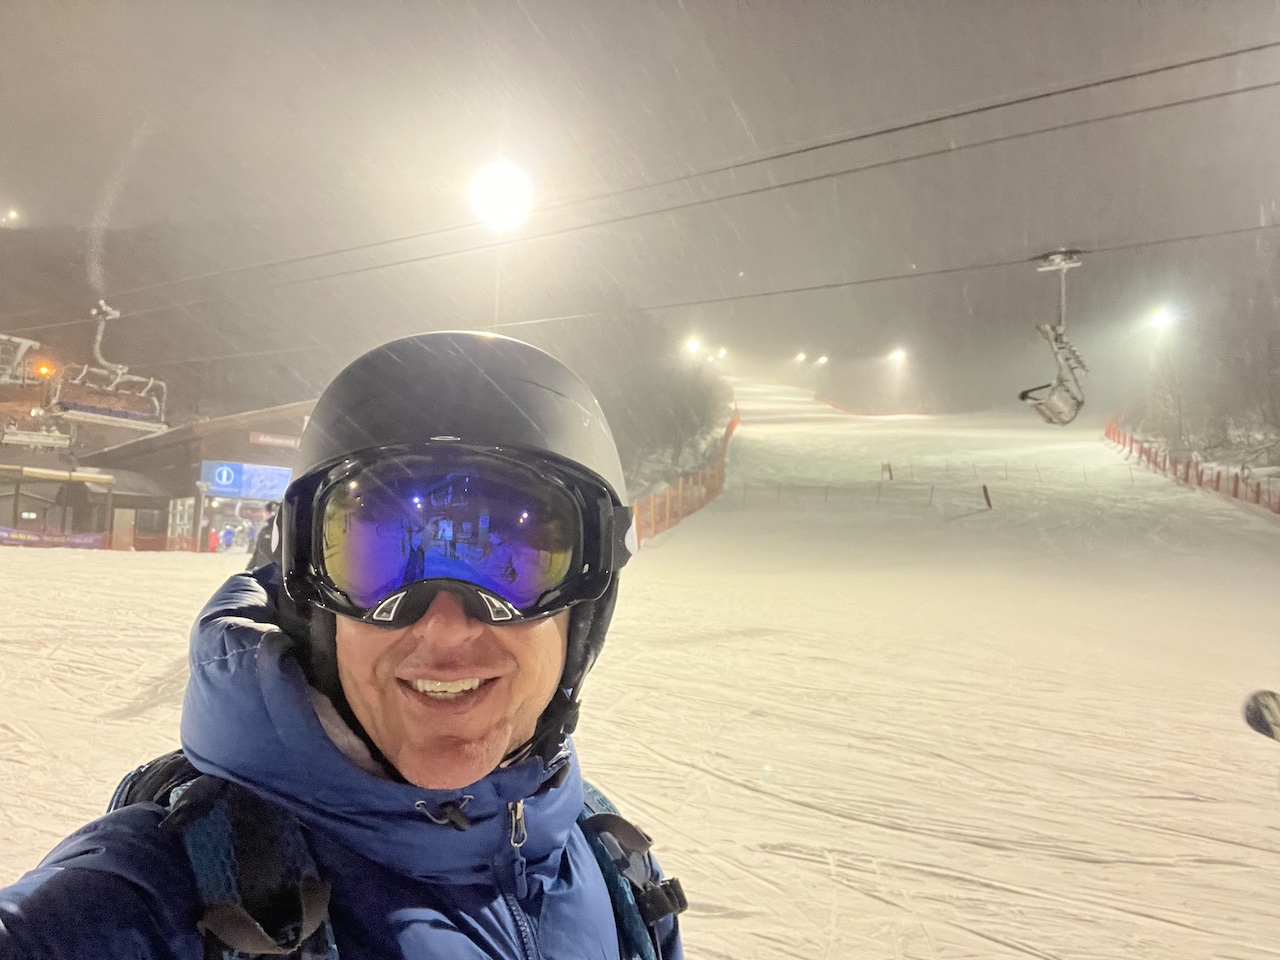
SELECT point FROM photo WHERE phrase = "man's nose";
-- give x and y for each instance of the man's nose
(446, 621)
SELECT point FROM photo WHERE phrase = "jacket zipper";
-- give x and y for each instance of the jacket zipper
(517, 839)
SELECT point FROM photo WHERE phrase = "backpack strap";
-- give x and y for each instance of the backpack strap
(259, 888)
(263, 896)
(641, 897)
(154, 781)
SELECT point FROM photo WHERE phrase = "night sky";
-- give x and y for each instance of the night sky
(147, 143)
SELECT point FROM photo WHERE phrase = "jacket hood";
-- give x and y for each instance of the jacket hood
(248, 717)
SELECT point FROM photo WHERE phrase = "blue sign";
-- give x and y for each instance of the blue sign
(247, 481)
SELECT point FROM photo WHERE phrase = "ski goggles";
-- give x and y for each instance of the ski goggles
(513, 536)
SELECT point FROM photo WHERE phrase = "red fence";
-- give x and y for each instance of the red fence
(664, 509)
(1230, 482)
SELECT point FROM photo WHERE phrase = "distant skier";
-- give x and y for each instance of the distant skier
(376, 761)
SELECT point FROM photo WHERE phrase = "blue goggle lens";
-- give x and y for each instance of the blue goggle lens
(484, 520)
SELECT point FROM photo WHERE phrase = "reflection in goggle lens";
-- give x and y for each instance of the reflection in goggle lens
(487, 522)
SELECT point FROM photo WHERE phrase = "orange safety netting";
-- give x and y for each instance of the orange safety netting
(1232, 482)
(664, 509)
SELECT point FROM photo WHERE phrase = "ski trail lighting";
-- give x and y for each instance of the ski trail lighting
(501, 195)
(693, 346)
(1162, 319)
(898, 356)
(800, 358)
(722, 353)
(821, 361)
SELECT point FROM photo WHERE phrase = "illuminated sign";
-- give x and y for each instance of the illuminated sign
(245, 481)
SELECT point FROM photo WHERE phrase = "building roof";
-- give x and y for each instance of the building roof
(196, 430)
(127, 483)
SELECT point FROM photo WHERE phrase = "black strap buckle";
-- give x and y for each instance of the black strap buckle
(658, 900)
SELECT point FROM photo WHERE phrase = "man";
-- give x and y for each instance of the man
(390, 746)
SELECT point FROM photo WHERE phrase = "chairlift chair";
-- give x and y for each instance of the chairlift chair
(15, 355)
(109, 378)
(1059, 401)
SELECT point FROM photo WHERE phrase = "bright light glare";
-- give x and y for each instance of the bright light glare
(13, 214)
(822, 360)
(693, 346)
(898, 355)
(722, 353)
(800, 358)
(501, 195)
(1162, 318)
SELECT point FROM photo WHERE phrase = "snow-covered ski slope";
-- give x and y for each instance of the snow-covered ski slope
(863, 718)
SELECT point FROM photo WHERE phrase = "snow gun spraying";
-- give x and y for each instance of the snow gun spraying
(1060, 400)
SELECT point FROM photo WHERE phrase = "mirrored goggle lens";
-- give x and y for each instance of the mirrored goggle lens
(495, 524)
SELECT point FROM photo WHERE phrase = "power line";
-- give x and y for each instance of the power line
(755, 191)
(881, 164)
(898, 127)
(945, 271)
(790, 291)
(246, 355)
(671, 208)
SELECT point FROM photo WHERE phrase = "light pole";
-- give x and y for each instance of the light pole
(1163, 367)
(501, 196)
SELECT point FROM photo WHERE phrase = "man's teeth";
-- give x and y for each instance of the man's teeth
(446, 687)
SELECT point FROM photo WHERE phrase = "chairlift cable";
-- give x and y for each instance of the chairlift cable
(777, 292)
(797, 151)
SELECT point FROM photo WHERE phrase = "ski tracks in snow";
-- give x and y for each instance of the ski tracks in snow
(859, 723)
(857, 729)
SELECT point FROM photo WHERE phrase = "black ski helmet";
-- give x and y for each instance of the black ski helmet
(478, 389)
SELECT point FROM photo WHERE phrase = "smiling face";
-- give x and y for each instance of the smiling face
(447, 697)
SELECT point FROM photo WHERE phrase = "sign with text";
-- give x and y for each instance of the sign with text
(247, 481)
(35, 538)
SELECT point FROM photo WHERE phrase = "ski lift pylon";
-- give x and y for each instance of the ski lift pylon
(1059, 401)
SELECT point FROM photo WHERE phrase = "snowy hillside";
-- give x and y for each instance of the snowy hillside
(862, 718)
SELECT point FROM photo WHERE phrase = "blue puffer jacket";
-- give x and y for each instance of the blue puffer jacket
(403, 886)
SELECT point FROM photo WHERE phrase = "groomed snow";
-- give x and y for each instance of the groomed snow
(862, 718)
